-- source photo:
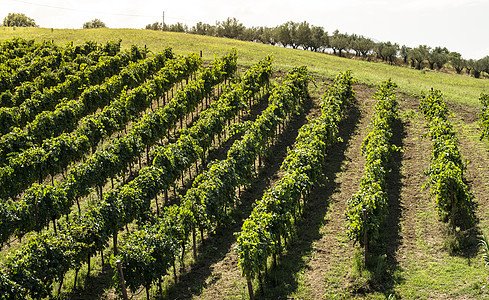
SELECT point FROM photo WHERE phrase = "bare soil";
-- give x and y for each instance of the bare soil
(215, 274)
(318, 261)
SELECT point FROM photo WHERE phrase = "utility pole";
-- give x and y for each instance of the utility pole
(163, 24)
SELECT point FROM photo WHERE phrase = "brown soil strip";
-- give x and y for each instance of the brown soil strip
(344, 168)
(215, 274)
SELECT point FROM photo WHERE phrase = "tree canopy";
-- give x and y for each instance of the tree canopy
(95, 23)
(18, 20)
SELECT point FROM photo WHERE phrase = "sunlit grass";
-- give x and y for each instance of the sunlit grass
(459, 88)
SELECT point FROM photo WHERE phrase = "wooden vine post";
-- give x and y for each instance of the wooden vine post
(123, 284)
(452, 202)
(250, 286)
(194, 240)
(365, 239)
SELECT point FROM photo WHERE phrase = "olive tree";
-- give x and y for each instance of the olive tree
(304, 35)
(231, 28)
(339, 42)
(469, 65)
(287, 34)
(18, 20)
(154, 26)
(203, 29)
(269, 36)
(319, 38)
(362, 46)
(177, 27)
(95, 23)
(477, 67)
(404, 52)
(456, 61)
(485, 64)
(252, 34)
(389, 52)
(438, 56)
(418, 55)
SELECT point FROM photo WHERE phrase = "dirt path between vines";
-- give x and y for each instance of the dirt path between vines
(224, 277)
(326, 250)
(215, 274)
(318, 262)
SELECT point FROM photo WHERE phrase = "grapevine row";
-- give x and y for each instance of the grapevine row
(114, 158)
(47, 79)
(54, 155)
(31, 66)
(17, 48)
(484, 115)
(42, 203)
(76, 241)
(205, 203)
(15, 71)
(70, 89)
(73, 59)
(171, 160)
(66, 115)
(270, 220)
(368, 207)
(446, 172)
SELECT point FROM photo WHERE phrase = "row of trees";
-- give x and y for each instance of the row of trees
(315, 38)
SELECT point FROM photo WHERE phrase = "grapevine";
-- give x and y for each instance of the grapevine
(271, 218)
(371, 198)
(446, 172)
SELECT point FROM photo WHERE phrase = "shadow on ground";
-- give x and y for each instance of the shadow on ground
(217, 245)
(283, 280)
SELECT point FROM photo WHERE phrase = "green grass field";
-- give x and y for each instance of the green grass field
(457, 88)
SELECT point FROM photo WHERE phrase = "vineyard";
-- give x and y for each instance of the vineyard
(130, 173)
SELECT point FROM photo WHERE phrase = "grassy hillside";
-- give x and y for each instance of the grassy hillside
(322, 263)
(457, 88)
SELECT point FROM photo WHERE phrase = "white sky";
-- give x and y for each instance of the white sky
(459, 25)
